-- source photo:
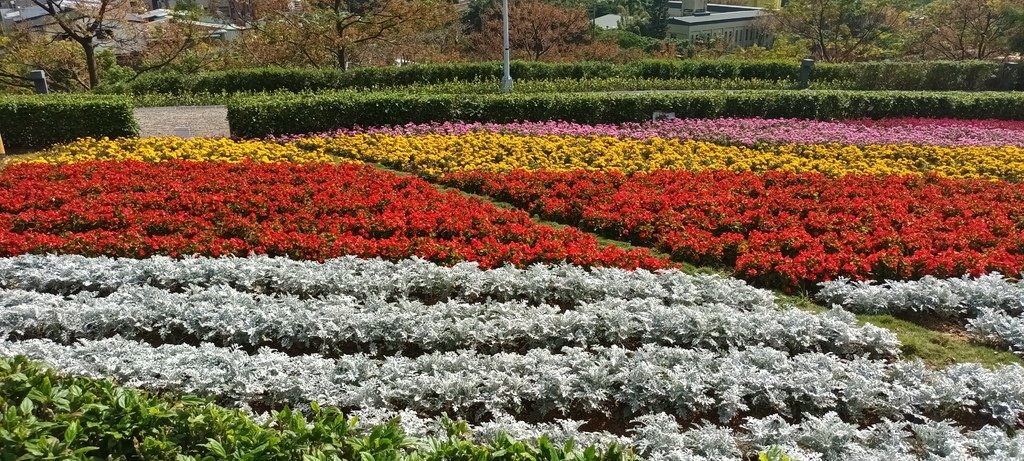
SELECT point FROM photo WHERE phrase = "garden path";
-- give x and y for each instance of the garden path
(201, 121)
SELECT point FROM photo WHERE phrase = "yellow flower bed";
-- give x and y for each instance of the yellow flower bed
(162, 149)
(435, 155)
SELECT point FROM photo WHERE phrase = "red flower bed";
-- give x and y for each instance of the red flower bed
(312, 211)
(787, 229)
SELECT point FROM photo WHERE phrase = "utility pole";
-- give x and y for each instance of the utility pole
(506, 80)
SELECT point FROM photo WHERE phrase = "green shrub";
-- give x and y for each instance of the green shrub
(291, 114)
(48, 416)
(927, 75)
(39, 121)
(721, 69)
(924, 76)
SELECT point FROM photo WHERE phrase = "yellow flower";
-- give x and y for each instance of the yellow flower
(163, 149)
(435, 155)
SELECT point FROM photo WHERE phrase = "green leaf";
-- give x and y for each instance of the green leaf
(71, 433)
(26, 406)
(215, 447)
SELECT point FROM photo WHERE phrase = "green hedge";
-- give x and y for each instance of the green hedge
(928, 75)
(39, 121)
(275, 115)
(44, 415)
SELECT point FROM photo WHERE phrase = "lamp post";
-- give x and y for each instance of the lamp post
(506, 80)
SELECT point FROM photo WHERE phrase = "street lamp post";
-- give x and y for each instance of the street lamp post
(506, 80)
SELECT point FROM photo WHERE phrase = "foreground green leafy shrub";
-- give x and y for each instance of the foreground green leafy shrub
(47, 416)
(39, 121)
(289, 114)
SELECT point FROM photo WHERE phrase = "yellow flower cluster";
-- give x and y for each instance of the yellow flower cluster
(194, 149)
(435, 155)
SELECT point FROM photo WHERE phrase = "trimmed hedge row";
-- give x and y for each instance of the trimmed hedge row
(276, 115)
(924, 76)
(928, 75)
(39, 121)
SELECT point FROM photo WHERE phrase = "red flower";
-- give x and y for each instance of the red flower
(311, 211)
(786, 229)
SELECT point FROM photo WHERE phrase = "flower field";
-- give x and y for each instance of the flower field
(434, 155)
(298, 272)
(311, 211)
(785, 229)
(165, 149)
(750, 131)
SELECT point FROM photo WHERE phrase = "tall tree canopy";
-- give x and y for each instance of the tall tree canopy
(840, 30)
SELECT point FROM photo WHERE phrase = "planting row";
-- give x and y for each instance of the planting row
(926, 75)
(113, 420)
(370, 279)
(435, 155)
(602, 384)
(785, 229)
(748, 131)
(338, 324)
(952, 297)
(310, 211)
(164, 149)
(828, 438)
(30, 121)
(992, 305)
(438, 154)
(257, 117)
(51, 416)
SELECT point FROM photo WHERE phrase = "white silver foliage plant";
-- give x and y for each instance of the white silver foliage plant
(333, 324)
(702, 367)
(991, 305)
(375, 278)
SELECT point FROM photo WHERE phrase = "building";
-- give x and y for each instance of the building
(698, 20)
(608, 21)
(214, 28)
(767, 4)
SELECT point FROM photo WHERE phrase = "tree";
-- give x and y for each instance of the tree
(537, 30)
(328, 32)
(657, 22)
(1016, 39)
(23, 51)
(968, 29)
(92, 26)
(89, 23)
(839, 30)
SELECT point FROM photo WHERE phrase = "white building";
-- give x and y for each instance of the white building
(608, 21)
(698, 20)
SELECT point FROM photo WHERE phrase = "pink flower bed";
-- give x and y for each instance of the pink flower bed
(942, 132)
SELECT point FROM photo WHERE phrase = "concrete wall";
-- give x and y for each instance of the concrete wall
(739, 33)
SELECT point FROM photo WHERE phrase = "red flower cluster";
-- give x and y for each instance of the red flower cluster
(785, 229)
(312, 211)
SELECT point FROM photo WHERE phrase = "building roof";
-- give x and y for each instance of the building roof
(155, 14)
(608, 21)
(713, 7)
(27, 13)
